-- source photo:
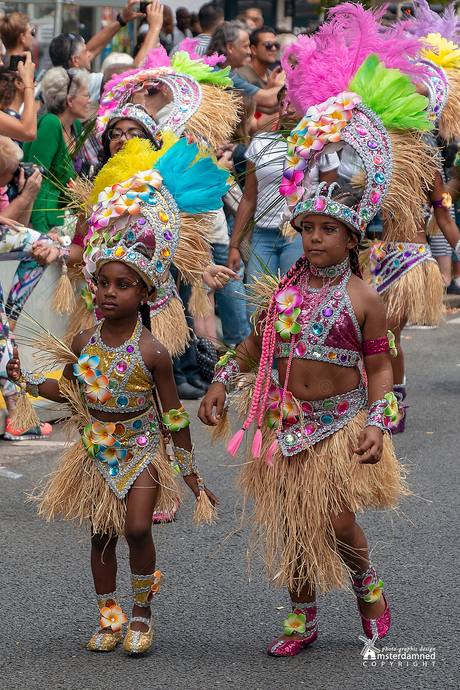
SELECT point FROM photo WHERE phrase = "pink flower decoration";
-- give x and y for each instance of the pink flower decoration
(273, 397)
(288, 299)
(347, 100)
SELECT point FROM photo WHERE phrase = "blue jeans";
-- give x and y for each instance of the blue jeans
(232, 307)
(274, 251)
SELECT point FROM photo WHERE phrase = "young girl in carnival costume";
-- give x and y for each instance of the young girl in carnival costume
(401, 267)
(206, 111)
(319, 452)
(116, 376)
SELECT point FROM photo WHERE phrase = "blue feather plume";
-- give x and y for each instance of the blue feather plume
(196, 187)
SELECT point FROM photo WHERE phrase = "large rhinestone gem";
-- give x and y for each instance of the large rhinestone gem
(317, 328)
(327, 419)
(122, 401)
(320, 203)
(317, 352)
(122, 366)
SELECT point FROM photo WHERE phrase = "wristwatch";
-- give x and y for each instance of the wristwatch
(120, 20)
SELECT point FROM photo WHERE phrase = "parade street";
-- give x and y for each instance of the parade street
(212, 625)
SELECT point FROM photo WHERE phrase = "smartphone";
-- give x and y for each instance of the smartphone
(14, 61)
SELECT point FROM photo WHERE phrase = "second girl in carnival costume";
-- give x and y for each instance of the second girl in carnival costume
(319, 452)
(117, 377)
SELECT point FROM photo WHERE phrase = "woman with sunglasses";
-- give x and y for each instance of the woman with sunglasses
(67, 101)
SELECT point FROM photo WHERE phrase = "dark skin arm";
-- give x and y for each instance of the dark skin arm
(445, 221)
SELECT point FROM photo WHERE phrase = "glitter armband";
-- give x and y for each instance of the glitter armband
(32, 382)
(445, 201)
(63, 380)
(375, 347)
(78, 239)
(176, 420)
(226, 369)
(186, 461)
(383, 412)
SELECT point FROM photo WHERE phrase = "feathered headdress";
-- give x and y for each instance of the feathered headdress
(140, 220)
(440, 35)
(201, 100)
(370, 115)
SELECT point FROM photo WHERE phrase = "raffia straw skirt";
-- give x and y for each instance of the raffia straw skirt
(77, 491)
(292, 503)
(416, 296)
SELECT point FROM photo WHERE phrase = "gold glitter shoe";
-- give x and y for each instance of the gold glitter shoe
(111, 617)
(137, 642)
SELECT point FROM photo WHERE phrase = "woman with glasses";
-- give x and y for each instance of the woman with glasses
(67, 101)
(132, 121)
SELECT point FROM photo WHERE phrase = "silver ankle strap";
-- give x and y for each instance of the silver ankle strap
(140, 619)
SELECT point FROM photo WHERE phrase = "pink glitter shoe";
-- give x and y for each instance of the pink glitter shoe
(376, 626)
(369, 587)
(301, 621)
(167, 516)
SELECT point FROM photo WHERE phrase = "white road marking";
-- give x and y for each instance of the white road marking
(6, 473)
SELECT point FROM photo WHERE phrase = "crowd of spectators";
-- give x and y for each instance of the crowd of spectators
(51, 120)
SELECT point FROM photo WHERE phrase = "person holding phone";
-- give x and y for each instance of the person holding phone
(17, 35)
(23, 129)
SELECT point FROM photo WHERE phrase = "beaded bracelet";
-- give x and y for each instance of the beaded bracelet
(32, 382)
(226, 373)
(186, 460)
(383, 412)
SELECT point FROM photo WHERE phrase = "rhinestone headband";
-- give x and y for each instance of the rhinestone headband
(341, 120)
(147, 240)
(435, 80)
(186, 91)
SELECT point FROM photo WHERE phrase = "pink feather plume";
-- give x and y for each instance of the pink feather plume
(189, 45)
(156, 57)
(328, 60)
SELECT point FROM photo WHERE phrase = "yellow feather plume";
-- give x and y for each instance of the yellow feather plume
(136, 155)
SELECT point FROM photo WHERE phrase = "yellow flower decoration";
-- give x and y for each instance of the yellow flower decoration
(112, 617)
(176, 420)
(391, 410)
(375, 592)
(445, 53)
(295, 623)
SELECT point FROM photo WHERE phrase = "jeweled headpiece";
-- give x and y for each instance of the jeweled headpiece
(139, 221)
(440, 36)
(363, 119)
(332, 125)
(200, 98)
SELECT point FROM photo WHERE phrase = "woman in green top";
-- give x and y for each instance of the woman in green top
(67, 101)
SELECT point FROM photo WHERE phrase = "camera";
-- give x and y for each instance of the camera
(29, 169)
(14, 61)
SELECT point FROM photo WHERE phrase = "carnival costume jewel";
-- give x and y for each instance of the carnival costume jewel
(111, 615)
(396, 260)
(200, 100)
(369, 587)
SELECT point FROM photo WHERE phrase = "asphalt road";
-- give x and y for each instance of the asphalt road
(212, 625)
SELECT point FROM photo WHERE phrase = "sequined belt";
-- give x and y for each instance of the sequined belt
(321, 418)
(387, 266)
(122, 449)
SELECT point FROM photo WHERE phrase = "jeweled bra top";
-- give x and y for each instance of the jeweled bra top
(330, 331)
(130, 382)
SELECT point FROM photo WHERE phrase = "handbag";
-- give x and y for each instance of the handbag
(232, 199)
(206, 358)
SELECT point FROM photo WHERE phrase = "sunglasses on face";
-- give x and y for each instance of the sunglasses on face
(32, 33)
(269, 45)
(116, 134)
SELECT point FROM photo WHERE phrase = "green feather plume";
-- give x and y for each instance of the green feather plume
(204, 74)
(391, 95)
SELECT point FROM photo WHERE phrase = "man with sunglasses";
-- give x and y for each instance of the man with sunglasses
(16, 34)
(264, 47)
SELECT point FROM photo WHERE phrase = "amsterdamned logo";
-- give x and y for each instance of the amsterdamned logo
(397, 657)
